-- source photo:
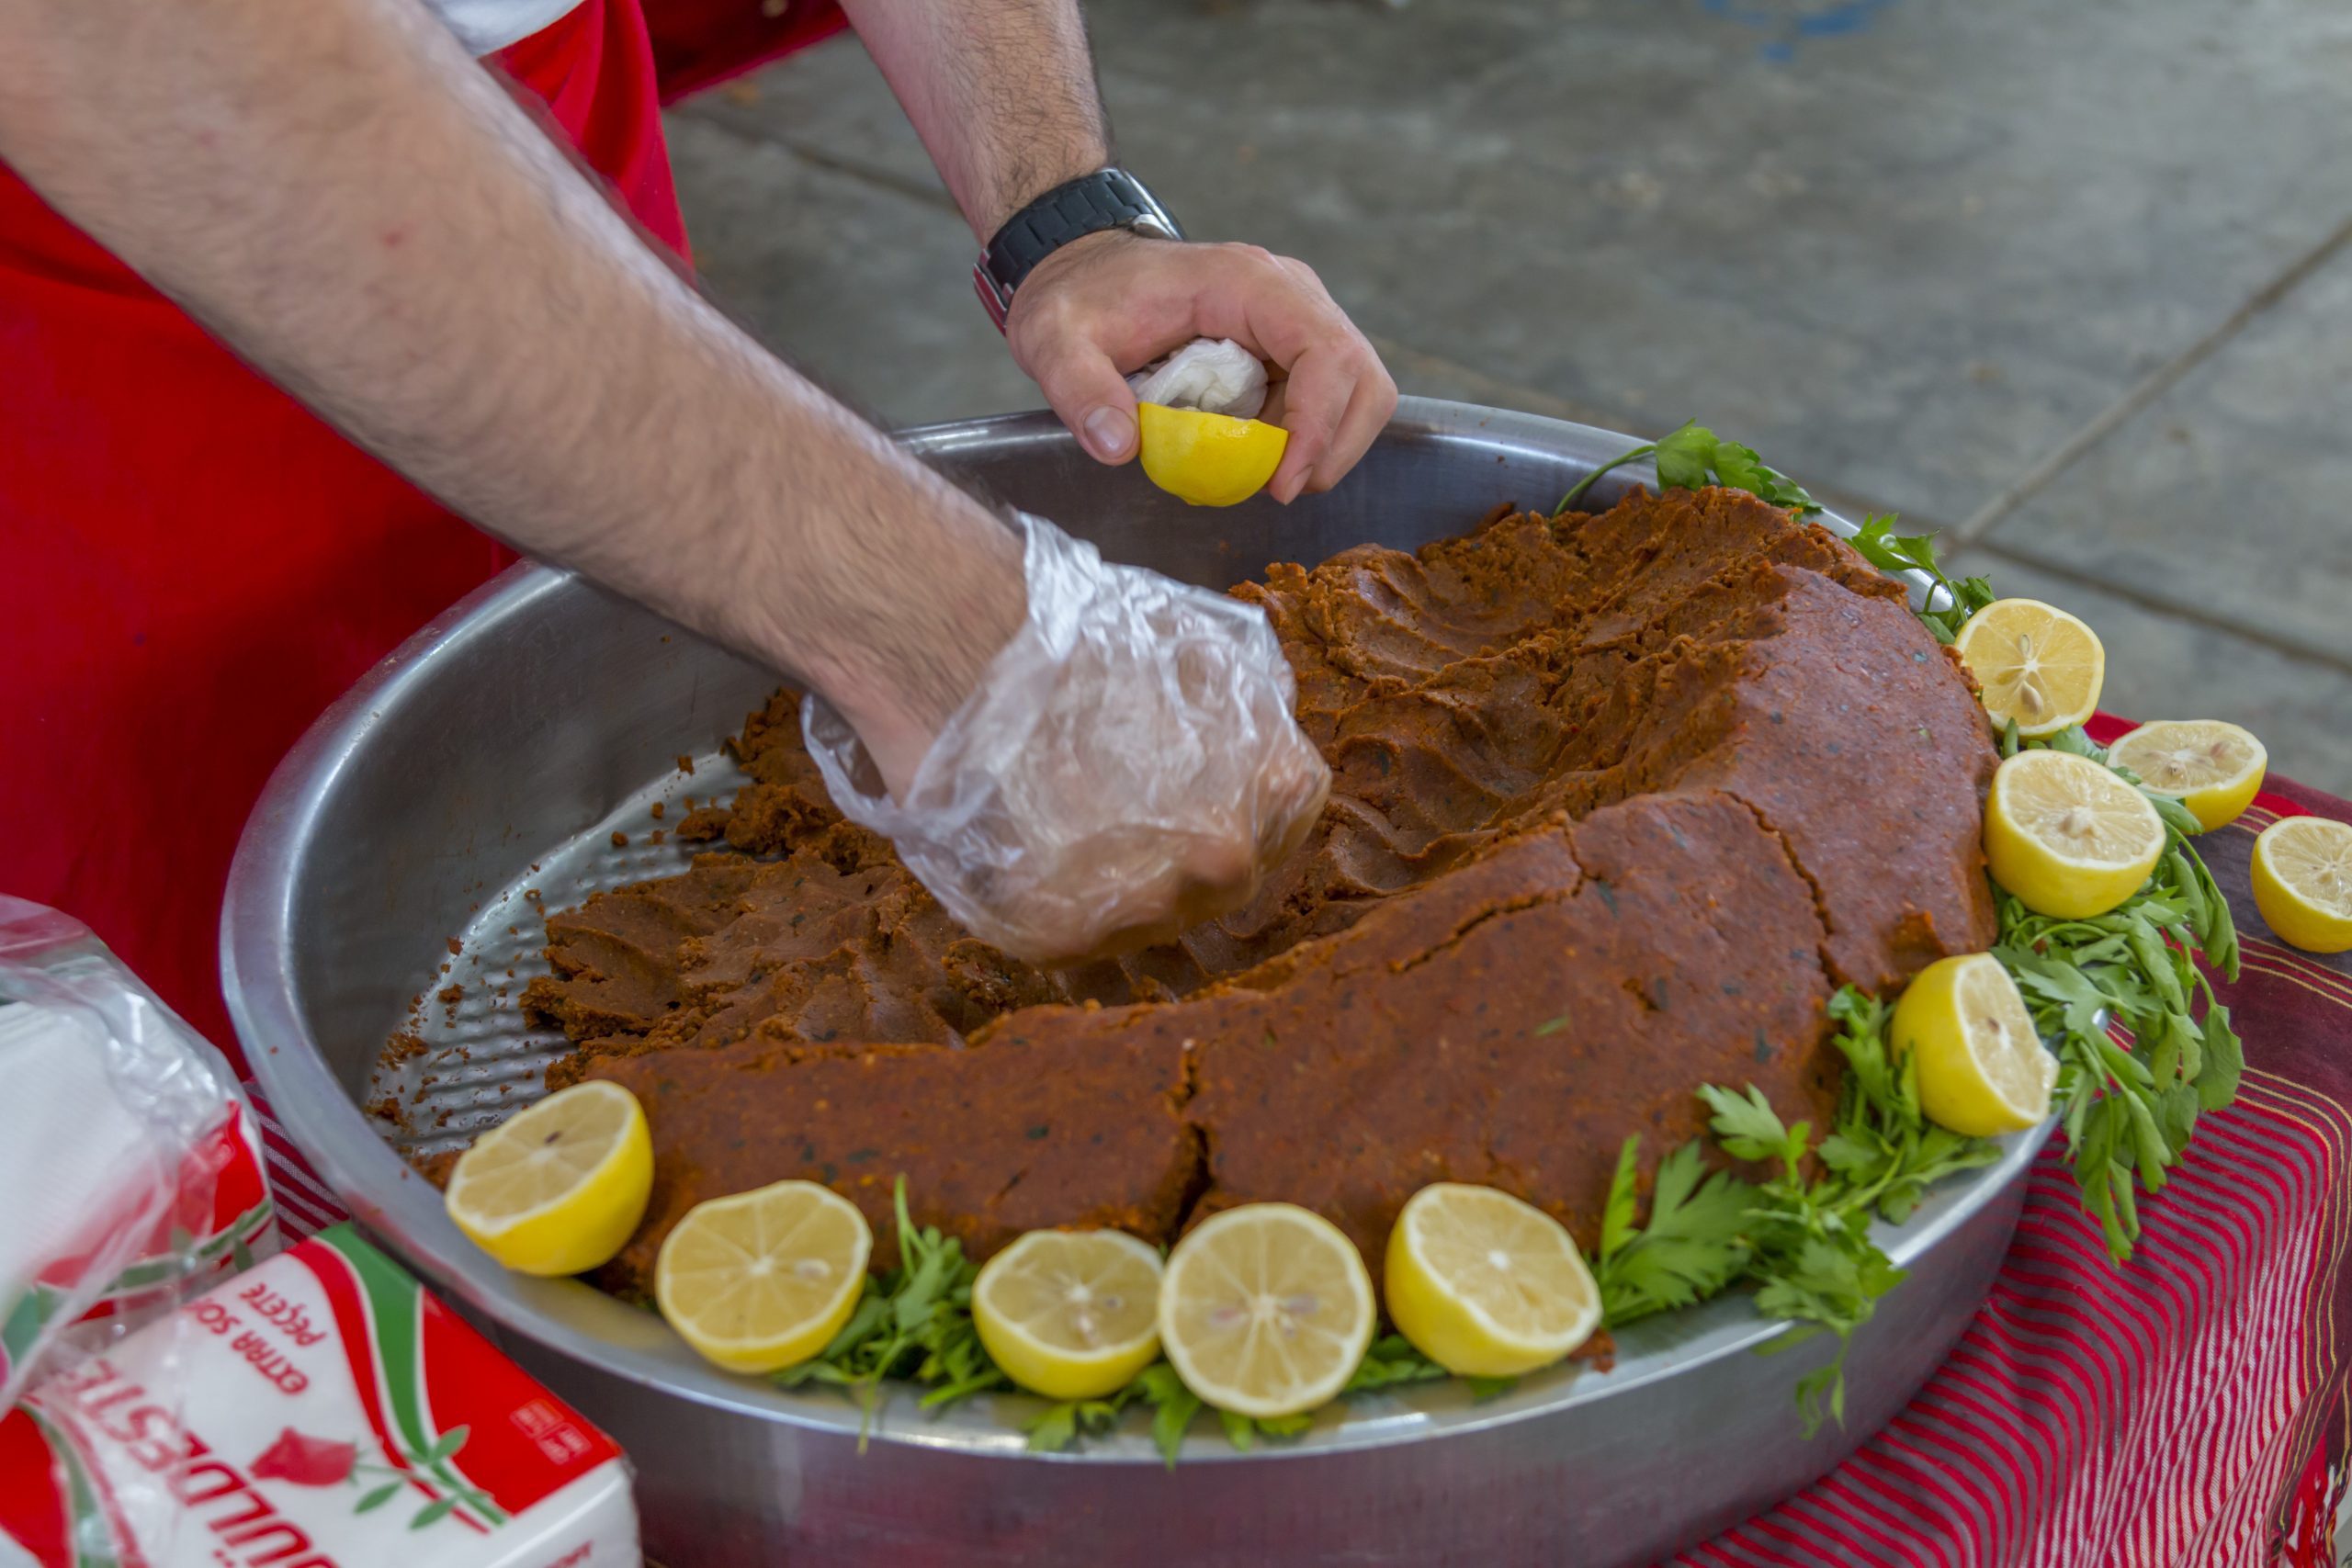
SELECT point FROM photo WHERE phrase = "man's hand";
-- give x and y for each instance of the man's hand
(1003, 94)
(1110, 304)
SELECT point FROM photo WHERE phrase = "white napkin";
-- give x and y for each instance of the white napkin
(1216, 375)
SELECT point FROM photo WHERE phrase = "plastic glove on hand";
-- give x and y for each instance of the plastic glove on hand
(1128, 765)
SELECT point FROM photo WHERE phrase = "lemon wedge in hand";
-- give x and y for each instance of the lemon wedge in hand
(1486, 1285)
(1208, 460)
(2302, 883)
(559, 1187)
(2067, 836)
(2211, 767)
(1070, 1315)
(765, 1278)
(1983, 1070)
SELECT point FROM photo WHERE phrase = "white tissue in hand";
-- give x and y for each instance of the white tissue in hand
(1217, 375)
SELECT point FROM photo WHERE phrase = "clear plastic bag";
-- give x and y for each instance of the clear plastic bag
(1128, 766)
(131, 1160)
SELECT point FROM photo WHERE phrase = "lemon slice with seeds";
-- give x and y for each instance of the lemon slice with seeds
(1266, 1310)
(557, 1188)
(2303, 882)
(1208, 460)
(2067, 836)
(1486, 1285)
(765, 1278)
(2210, 767)
(1983, 1070)
(2035, 663)
(1070, 1315)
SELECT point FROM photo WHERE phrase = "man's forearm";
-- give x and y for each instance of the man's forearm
(1001, 92)
(360, 210)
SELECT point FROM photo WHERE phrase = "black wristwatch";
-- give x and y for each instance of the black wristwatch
(1108, 198)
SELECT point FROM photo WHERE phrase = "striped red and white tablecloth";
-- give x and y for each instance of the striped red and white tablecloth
(2189, 1407)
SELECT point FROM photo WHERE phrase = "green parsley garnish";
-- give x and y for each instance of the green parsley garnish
(914, 1321)
(1803, 1244)
(2129, 1106)
(1693, 457)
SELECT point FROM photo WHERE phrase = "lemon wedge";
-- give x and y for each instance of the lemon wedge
(1070, 1315)
(2068, 836)
(765, 1278)
(1266, 1310)
(2303, 882)
(2035, 663)
(1983, 1070)
(2210, 767)
(1208, 460)
(1486, 1285)
(557, 1188)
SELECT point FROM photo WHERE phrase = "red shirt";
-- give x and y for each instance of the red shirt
(192, 565)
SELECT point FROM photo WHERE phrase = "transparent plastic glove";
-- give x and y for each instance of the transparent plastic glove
(1127, 766)
(1213, 374)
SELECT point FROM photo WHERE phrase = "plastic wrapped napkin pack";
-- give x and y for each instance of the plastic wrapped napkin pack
(172, 1394)
(319, 1410)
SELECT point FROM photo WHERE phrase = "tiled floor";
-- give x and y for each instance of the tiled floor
(2064, 278)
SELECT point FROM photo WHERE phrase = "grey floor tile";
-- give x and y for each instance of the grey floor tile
(2159, 667)
(866, 289)
(1906, 261)
(2230, 491)
(828, 101)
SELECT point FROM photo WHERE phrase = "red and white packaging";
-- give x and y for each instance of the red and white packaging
(129, 1160)
(320, 1410)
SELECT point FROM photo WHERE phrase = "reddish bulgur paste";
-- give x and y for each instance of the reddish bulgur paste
(1618, 800)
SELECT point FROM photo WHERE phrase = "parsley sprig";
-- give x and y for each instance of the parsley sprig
(914, 1321)
(1952, 602)
(1173, 1406)
(1802, 1241)
(2143, 1045)
(1693, 457)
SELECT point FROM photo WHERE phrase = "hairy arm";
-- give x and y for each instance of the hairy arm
(363, 213)
(1000, 91)
(1003, 94)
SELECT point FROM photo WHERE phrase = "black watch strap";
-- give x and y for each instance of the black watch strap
(1108, 198)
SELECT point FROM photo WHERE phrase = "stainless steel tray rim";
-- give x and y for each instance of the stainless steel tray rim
(387, 1197)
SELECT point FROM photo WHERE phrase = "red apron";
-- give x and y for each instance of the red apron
(192, 565)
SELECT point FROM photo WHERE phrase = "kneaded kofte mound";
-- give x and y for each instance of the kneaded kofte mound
(1618, 800)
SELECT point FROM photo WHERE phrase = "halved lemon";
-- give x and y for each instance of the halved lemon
(2210, 767)
(557, 1188)
(2036, 663)
(2067, 836)
(1070, 1315)
(1266, 1310)
(1983, 1070)
(765, 1278)
(1486, 1285)
(1208, 460)
(2303, 882)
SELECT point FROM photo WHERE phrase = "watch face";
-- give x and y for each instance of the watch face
(1153, 228)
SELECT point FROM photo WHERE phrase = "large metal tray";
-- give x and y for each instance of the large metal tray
(478, 775)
